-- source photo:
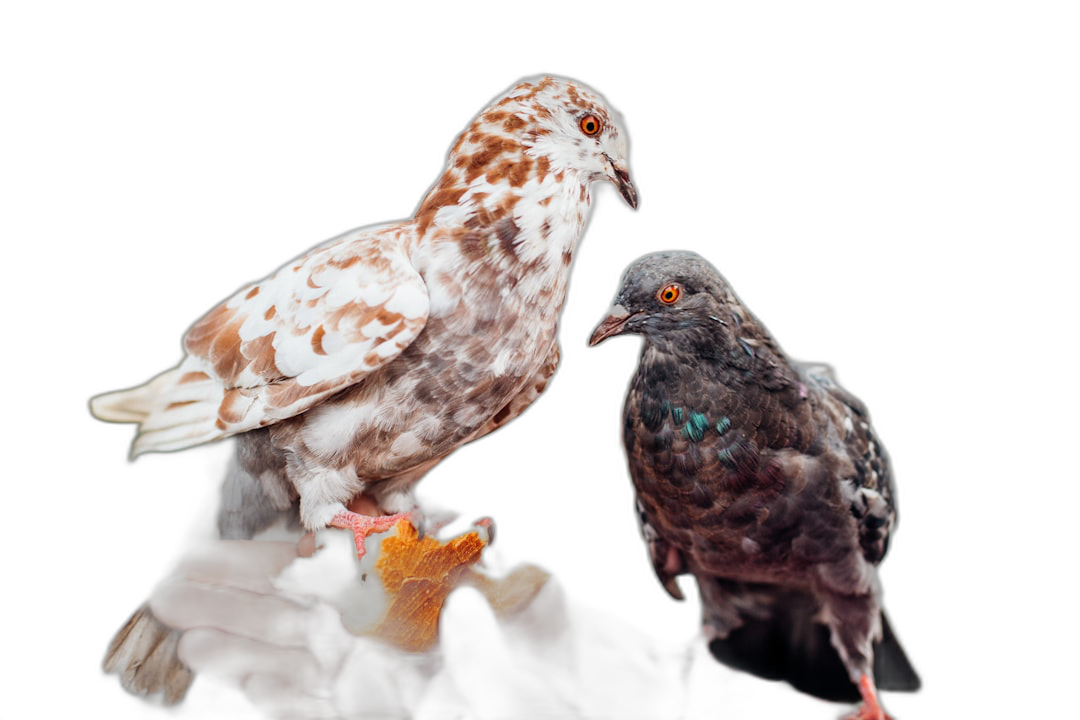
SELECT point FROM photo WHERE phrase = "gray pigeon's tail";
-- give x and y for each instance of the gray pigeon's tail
(144, 654)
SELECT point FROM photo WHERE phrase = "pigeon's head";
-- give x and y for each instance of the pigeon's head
(560, 126)
(677, 300)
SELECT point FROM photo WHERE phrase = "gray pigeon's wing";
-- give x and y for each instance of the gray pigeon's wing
(868, 484)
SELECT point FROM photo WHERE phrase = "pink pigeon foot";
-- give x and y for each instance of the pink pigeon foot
(364, 525)
(871, 708)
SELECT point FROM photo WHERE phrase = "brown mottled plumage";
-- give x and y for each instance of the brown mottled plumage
(357, 367)
(763, 479)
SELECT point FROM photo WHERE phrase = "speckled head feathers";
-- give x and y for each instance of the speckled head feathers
(541, 134)
(573, 128)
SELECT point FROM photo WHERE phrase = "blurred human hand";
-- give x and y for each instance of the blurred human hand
(257, 615)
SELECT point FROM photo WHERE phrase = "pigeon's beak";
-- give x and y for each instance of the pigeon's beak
(621, 177)
(613, 324)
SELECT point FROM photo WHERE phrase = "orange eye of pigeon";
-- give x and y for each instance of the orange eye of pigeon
(669, 294)
(590, 125)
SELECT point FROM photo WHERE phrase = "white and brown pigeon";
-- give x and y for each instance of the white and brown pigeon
(351, 371)
(762, 478)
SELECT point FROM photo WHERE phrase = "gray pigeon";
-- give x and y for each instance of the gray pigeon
(762, 478)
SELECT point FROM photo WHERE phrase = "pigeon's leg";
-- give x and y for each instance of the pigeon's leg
(381, 505)
(368, 515)
(364, 525)
(369, 522)
(854, 620)
(871, 708)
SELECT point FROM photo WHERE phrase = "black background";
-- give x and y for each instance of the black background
(823, 178)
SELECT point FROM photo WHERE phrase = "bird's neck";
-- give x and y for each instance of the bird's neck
(521, 232)
(666, 374)
(678, 373)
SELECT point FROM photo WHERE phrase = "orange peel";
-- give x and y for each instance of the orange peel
(404, 580)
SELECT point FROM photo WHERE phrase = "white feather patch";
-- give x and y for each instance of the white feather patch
(332, 427)
(405, 445)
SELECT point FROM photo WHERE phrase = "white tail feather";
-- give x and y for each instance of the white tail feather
(176, 437)
(144, 655)
(180, 413)
(172, 415)
(134, 404)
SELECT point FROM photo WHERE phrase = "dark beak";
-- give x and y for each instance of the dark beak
(613, 324)
(621, 178)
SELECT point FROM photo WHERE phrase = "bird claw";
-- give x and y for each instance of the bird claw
(485, 528)
(364, 525)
